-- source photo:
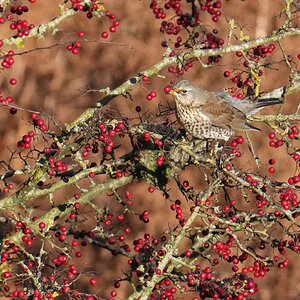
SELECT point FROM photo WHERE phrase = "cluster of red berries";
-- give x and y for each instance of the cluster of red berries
(56, 166)
(13, 294)
(60, 260)
(146, 246)
(158, 142)
(5, 255)
(169, 28)
(19, 10)
(94, 148)
(128, 197)
(6, 100)
(293, 132)
(223, 250)
(142, 245)
(239, 82)
(184, 19)
(271, 168)
(293, 244)
(144, 216)
(8, 60)
(7, 187)
(26, 140)
(212, 41)
(228, 208)
(262, 51)
(107, 133)
(176, 206)
(40, 123)
(285, 263)
(28, 236)
(22, 27)
(254, 54)
(274, 142)
(235, 94)
(250, 179)
(234, 144)
(203, 280)
(150, 96)
(113, 27)
(288, 198)
(74, 47)
(260, 202)
(157, 11)
(165, 289)
(89, 8)
(213, 8)
(107, 219)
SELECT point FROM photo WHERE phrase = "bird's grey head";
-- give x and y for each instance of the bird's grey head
(186, 93)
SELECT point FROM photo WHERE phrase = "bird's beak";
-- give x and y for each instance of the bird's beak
(173, 90)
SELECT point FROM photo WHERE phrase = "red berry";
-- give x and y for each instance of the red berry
(113, 293)
(167, 89)
(240, 140)
(13, 110)
(108, 149)
(42, 225)
(13, 81)
(271, 170)
(145, 78)
(78, 254)
(104, 35)
(296, 156)
(153, 94)
(151, 189)
(226, 74)
(272, 161)
(272, 135)
(112, 29)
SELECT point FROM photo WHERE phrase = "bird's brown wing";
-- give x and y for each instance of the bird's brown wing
(224, 115)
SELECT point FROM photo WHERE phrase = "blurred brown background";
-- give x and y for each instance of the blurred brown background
(54, 81)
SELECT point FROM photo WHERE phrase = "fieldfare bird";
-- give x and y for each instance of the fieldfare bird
(214, 115)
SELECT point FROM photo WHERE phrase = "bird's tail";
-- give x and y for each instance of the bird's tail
(260, 103)
(267, 101)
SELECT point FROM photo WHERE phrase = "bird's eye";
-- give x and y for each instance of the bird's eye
(183, 92)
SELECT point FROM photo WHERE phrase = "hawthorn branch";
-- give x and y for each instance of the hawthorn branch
(65, 209)
(29, 192)
(40, 30)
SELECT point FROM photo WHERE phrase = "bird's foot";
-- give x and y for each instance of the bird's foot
(216, 150)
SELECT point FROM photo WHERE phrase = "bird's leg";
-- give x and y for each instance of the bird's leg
(215, 149)
(219, 147)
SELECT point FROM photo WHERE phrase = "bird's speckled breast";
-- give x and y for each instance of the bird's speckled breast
(199, 125)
